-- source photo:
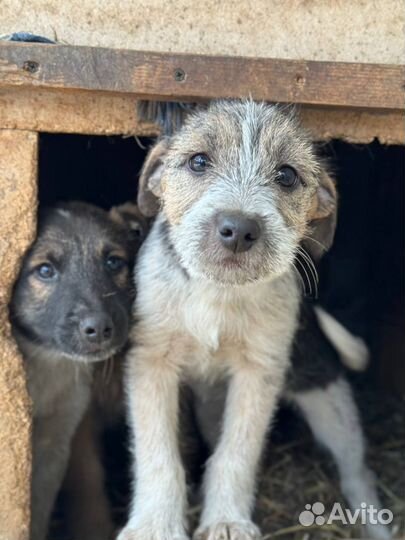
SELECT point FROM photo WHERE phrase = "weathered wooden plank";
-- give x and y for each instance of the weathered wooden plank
(71, 112)
(110, 114)
(18, 203)
(193, 77)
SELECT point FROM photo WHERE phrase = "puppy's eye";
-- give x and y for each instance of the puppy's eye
(135, 230)
(45, 271)
(287, 177)
(115, 263)
(199, 163)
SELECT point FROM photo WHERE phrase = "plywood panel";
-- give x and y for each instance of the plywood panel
(18, 166)
(338, 30)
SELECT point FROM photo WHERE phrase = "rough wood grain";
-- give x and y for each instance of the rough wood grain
(71, 112)
(86, 113)
(176, 76)
(18, 172)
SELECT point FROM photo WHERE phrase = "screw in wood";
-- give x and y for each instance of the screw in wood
(31, 66)
(179, 75)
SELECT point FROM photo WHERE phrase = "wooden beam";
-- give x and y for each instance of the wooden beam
(71, 112)
(18, 204)
(193, 77)
(115, 114)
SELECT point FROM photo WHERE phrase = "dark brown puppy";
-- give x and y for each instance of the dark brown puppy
(70, 308)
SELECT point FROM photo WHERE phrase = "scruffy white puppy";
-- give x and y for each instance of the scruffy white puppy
(240, 190)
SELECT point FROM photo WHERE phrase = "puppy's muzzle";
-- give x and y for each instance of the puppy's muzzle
(237, 232)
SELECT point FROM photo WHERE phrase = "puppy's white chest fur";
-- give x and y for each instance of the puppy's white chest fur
(218, 326)
(209, 315)
(237, 324)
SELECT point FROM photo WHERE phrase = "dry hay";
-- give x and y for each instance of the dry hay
(298, 472)
(301, 473)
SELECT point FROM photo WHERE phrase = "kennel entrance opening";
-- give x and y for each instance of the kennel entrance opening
(361, 283)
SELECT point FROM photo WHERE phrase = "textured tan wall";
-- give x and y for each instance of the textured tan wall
(339, 30)
(18, 164)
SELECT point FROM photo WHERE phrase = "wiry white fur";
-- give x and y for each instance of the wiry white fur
(188, 329)
(352, 349)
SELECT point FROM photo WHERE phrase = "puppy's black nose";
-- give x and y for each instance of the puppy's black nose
(96, 328)
(237, 232)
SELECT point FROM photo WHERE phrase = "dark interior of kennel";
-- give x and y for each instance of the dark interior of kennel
(361, 277)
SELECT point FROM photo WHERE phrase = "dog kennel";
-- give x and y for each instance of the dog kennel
(69, 130)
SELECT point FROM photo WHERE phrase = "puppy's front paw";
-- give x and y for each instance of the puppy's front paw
(149, 533)
(232, 530)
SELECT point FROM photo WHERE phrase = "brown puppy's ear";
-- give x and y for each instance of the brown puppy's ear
(128, 215)
(149, 190)
(322, 225)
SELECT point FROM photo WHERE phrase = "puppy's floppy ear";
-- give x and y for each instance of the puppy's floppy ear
(149, 190)
(323, 217)
(128, 215)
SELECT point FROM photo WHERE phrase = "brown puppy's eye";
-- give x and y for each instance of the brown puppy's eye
(287, 177)
(115, 263)
(45, 271)
(136, 231)
(199, 163)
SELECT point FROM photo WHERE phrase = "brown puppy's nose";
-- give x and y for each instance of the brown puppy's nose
(237, 232)
(96, 329)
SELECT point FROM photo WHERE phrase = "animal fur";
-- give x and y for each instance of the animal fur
(316, 386)
(205, 313)
(71, 307)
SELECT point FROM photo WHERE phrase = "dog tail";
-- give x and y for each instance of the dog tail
(352, 350)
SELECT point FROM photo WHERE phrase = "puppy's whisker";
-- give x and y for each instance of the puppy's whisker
(310, 263)
(300, 279)
(309, 259)
(306, 259)
(311, 276)
(315, 242)
(138, 142)
(313, 270)
(306, 273)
